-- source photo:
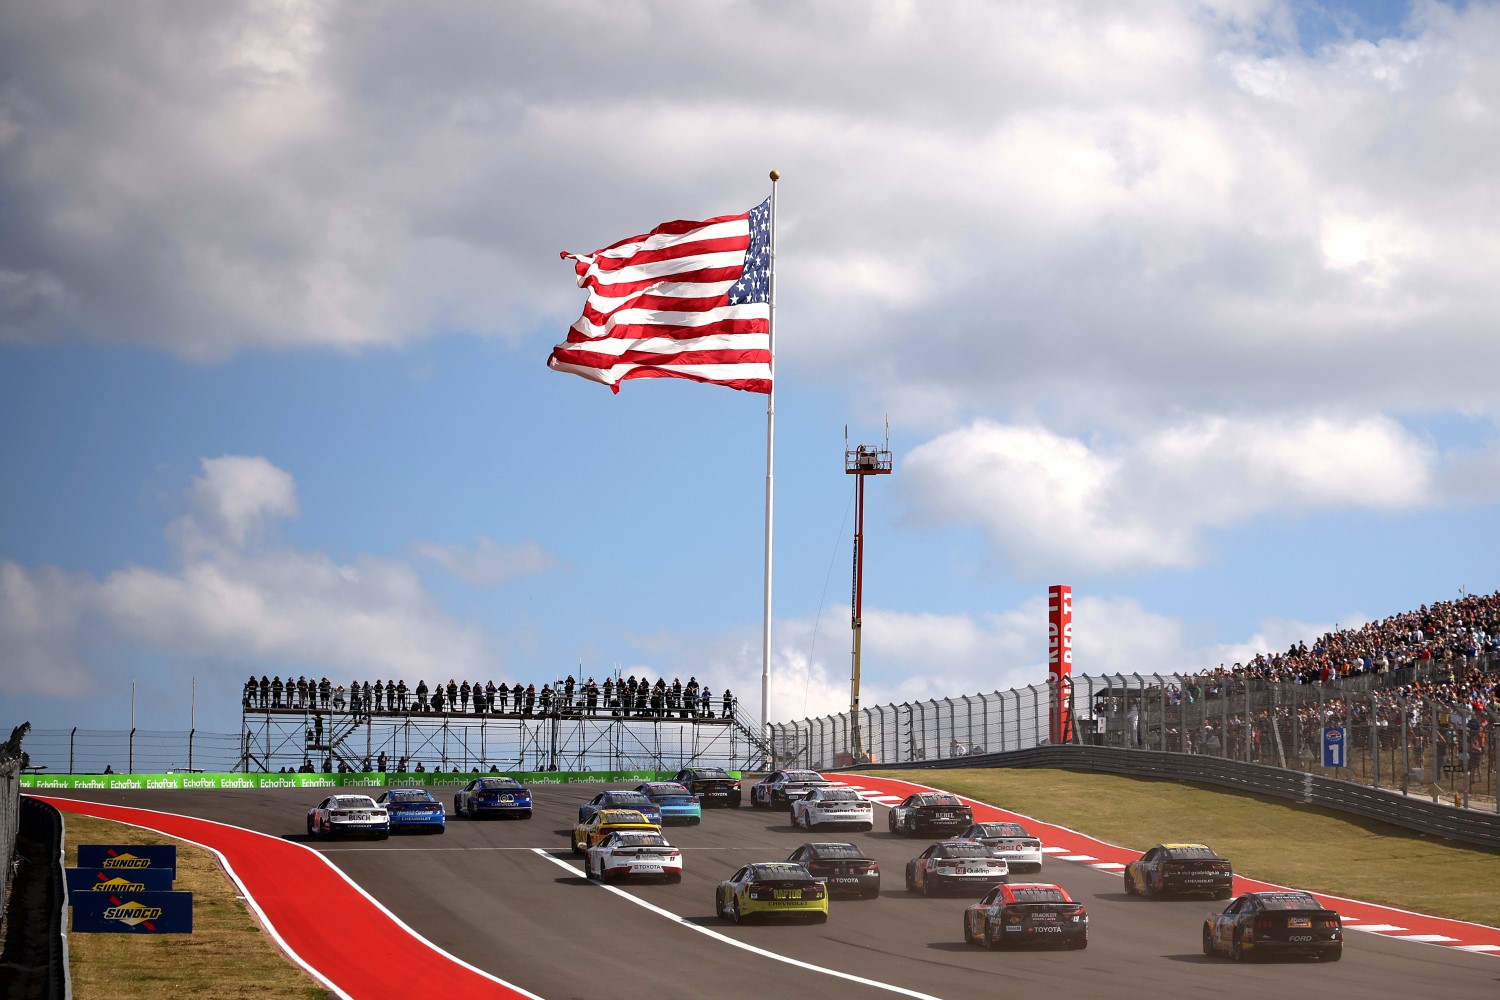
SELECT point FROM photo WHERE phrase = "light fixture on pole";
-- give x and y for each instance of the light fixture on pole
(865, 460)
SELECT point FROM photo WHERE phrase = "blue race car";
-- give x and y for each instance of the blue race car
(678, 805)
(621, 798)
(492, 795)
(413, 809)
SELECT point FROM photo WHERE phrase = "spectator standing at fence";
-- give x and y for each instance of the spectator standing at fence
(325, 692)
(530, 697)
(378, 702)
(463, 696)
(365, 695)
(546, 699)
(276, 688)
(251, 687)
(355, 697)
(591, 696)
(706, 703)
(401, 693)
(383, 761)
(421, 696)
(339, 701)
(728, 706)
(265, 691)
(302, 693)
(437, 698)
(489, 695)
(502, 696)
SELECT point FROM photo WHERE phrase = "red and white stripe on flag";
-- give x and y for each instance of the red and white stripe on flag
(686, 300)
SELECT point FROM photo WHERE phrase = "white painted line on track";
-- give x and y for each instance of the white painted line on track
(725, 939)
(1110, 866)
(1477, 947)
(1375, 928)
(1429, 938)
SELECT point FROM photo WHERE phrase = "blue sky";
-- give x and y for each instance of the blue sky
(1188, 305)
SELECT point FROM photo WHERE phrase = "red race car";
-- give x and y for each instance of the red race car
(1019, 913)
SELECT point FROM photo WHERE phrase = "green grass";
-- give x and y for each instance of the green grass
(1266, 838)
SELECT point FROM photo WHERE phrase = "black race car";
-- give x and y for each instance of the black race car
(1180, 870)
(1284, 922)
(714, 786)
(844, 868)
(926, 812)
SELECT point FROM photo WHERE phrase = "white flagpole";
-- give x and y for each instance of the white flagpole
(765, 662)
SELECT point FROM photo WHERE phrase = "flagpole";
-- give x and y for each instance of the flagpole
(765, 661)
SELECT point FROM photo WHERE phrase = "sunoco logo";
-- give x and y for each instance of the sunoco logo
(119, 885)
(126, 861)
(133, 913)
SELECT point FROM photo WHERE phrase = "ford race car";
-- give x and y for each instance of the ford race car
(602, 822)
(930, 811)
(1179, 869)
(621, 798)
(1259, 924)
(844, 868)
(773, 888)
(413, 809)
(832, 807)
(497, 796)
(954, 863)
(1026, 913)
(778, 788)
(633, 854)
(678, 805)
(714, 786)
(1011, 841)
(348, 815)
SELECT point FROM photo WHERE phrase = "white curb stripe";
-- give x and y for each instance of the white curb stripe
(1377, 928)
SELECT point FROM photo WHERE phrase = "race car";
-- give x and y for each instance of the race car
(714, 786)
(492, 795)
(950, 864)
(1285, 922)
(633, 854)
(844, 868)
(777, 789)
(678, 805)
(1011, 841)
(1179, 869)
(348, 816)
(413, 809)
(772, 888)
(1026, 913)
(832, 807)
(621, 798)
(602, 822)
(924, 812)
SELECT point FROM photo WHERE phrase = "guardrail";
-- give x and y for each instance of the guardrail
(1463, 825)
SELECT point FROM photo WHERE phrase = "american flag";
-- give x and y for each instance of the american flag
(686, 300)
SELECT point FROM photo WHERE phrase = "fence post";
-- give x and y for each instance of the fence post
(72, 741)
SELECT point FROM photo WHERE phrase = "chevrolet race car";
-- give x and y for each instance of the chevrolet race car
(926, 811)
(844, 868)
(678, 805)
(714, 786)
(773, 888)
(492, 795)
(1259, 924)
(778, 788)
(832, 807)
(951, 863)
(633, 854)
(413, 809)
(602, 822)
(1179, 869)
(1026, 913)
(621, 798)
(348, 815)
(1011, 841)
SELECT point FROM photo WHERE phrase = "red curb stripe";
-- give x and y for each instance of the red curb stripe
(328, 924)
(1479, 938)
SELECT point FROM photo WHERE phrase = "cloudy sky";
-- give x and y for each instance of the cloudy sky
(1185, 304)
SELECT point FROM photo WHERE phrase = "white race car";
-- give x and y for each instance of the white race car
(633, 854)
(346, 815)
(832, 806)
(1011, 841)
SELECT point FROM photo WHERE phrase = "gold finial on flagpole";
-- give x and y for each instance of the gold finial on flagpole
(775, 176)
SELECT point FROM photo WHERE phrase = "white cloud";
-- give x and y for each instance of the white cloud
(41, 617)
(490, 564)
(235, 498)
(1055, 503)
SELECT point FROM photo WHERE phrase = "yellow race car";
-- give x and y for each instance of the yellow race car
(602, 822)
(772, 888)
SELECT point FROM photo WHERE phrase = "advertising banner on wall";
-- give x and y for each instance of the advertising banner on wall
(1060, 661)
(128, 857)
(144, 782)
(119, 880)
(133, 912)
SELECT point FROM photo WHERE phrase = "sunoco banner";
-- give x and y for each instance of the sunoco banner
(83, 782)
(133, 912)
(119, 880)
(127, 857)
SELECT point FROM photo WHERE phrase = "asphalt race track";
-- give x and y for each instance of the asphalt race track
(492, 893)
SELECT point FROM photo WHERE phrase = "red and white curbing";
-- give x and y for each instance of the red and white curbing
(1069, 845)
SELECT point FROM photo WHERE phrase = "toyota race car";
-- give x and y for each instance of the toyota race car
(1011, 841)
(1179, 869)
(602, 822)
(621, 798)
(832, 807)
(1026, 913)
(844, 868)
(348, 815)
(678, 805)
(492, 796)
(714, 786)
(930, 811)
(773, 888)
(953, 863)
(778, 788)
(1259, 924)
(633, 854)
(413, 809)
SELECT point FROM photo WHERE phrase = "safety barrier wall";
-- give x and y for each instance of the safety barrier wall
(10, 804)
(1463, 825)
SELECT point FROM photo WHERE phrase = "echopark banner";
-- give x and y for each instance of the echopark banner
(686, 300)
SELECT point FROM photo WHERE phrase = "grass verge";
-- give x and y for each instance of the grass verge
(1266, 838)
(228, 955)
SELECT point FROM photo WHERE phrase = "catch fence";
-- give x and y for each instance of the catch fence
(12, 759)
